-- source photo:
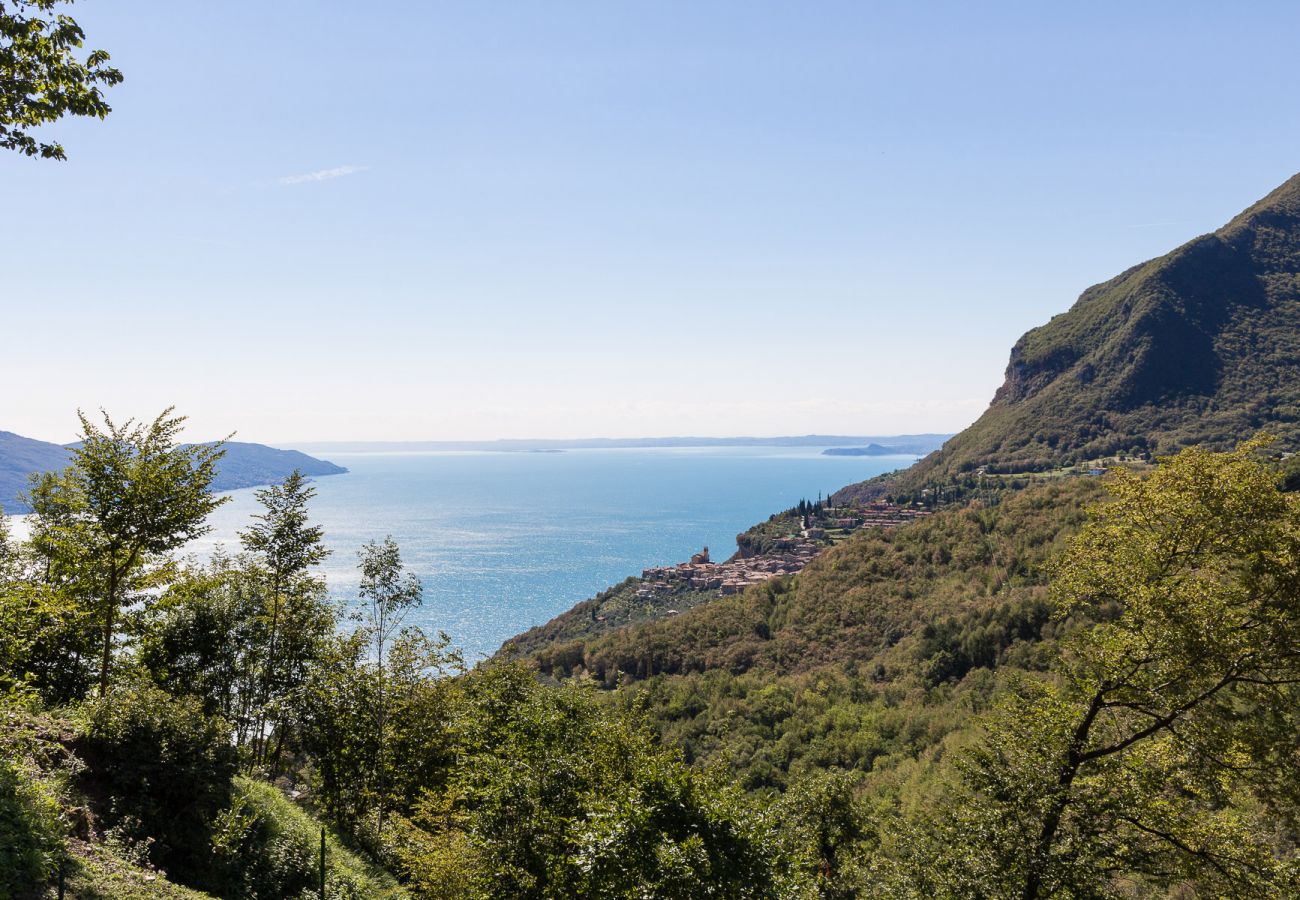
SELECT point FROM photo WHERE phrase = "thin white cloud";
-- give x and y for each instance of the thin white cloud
(322, 174)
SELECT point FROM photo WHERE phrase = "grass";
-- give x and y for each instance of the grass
(98, 872)
(292, 831)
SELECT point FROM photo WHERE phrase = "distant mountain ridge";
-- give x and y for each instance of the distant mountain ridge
(244, 465)
(1200, 346)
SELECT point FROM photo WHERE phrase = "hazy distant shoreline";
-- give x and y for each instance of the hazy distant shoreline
(903, 444)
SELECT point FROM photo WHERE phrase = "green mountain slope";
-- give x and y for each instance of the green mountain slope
(1201, 345)
(869, 652)
(856, 600)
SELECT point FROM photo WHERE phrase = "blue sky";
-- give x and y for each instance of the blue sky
(317, 220)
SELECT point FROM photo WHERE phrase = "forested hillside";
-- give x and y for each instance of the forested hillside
(946, 668)
(919, 712)
(890, 613)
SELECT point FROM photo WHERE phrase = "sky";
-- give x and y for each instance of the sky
(310, 221)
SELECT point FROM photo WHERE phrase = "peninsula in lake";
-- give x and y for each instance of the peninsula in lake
(244, 465)
(869, 450)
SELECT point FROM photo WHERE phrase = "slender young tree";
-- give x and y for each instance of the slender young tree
(288, 547)
(388, 594)
(131, 495)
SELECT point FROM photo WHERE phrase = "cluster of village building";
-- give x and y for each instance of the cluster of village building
(701, 574)
(787, 555)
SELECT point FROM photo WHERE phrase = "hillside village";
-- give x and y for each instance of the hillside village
(781, 546)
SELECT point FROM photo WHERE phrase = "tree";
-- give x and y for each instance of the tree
(338, 709)
(131, 495)
(43, 76)
(203, 637)
(1162, 752)
(207, 634)
(47, 636)
(388, 593)
(380, 694)
(829, 829)
(47, 641)
(555, 794)
(288, 547)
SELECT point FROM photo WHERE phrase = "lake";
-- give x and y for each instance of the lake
(505, 541)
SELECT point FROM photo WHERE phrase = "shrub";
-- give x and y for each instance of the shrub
(167, 769)
(265, 848)
(31, 834)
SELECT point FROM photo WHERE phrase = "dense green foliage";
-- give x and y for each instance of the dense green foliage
(167, 769)
(1159, 755)
(31, 835)
(44, 76)
(46, 638)
(207, 635)
(870, 659)
(79, 793)
(342, 706)
(265, 848)
(595, 811)
(889, 653)
(479, 784)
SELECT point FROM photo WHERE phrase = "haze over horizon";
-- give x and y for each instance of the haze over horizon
(734, 220)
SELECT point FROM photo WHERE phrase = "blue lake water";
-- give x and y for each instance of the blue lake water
(505, 541)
